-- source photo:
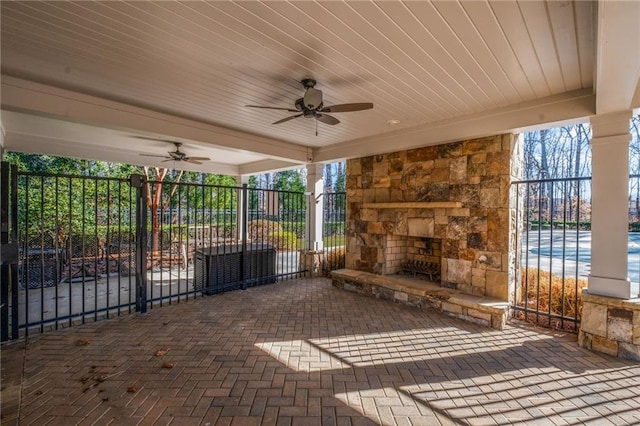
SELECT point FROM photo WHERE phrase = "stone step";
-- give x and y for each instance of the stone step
(416, 292)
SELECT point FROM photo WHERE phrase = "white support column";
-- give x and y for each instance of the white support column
(240, 181)
(609, 211)
(315, 187)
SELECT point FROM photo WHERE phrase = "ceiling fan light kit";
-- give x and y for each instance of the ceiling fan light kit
(311, 105)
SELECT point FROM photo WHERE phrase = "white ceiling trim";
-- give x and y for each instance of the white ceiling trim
(61, 147)
(34, 98)
(572, 106)
(617, 59)
(258, 167)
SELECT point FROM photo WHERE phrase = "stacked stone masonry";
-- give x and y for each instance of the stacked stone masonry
(419, 293)
(473, 238)
(610, 326)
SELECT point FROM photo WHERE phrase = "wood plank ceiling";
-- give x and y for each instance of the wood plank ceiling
(418, 62)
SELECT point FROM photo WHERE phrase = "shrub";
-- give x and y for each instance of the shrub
(334, 259)
(550, 291)
(283, 240)
(259, 230)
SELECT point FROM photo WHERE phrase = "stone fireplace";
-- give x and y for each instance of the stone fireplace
(445, 204)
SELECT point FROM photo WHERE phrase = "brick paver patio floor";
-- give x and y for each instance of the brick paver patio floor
(304, 353)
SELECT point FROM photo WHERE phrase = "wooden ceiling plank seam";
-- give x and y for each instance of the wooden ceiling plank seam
(432, 24)
(566, 42)
(298, 94)
(380, 103)
(77, 22)
(510, 18)
(458, 18)
(536, 16)
(92, 49)
(62, 46)
(43, 26)
(383, 91)
(153, 104)
(137, 87)
(327, 45)
(383, 8)
(391, 34)
(457, 51)
(393, 54)
(410, 99)
(224, 76)
(364, 50)
(487, 23)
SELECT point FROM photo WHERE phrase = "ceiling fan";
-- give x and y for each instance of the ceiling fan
(176, 155)
(312, 106)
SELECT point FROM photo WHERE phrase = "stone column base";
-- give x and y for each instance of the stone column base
(610, 326)
(311, 261)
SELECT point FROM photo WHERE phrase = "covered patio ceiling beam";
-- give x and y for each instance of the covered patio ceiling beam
(34, 98)
(572, 106)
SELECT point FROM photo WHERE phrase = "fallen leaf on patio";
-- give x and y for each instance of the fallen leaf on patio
(82, 342)
(132, 389)
(162, 352)
(167, 365)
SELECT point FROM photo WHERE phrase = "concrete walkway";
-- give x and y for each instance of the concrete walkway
(304, 353)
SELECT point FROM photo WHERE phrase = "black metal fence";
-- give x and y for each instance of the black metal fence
(94, 247)
(334, 219)
(76, 256)
(553, 217)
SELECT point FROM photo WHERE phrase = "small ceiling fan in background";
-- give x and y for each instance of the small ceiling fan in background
(176, 155)
(311, 106)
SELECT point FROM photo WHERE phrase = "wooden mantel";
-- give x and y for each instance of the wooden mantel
(416, 205)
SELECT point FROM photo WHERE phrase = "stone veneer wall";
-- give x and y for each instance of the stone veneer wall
(610, 326)
(475, 237)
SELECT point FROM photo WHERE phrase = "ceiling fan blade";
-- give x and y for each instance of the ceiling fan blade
(268, 107)
(153, 155)
(327, 119)
(192, 161)
(197, 158)
(348, 107)
(169, 159)
(312, 98)
(287, 119)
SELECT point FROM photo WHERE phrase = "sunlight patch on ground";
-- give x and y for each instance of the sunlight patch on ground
(362, 350)
(300, 355)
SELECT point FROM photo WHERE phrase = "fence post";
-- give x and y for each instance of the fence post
(8, 250)
(245, 223)
(4, 240)
(138, 182)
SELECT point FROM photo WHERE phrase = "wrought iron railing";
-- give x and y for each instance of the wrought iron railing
(334, 219)
(93, 247)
